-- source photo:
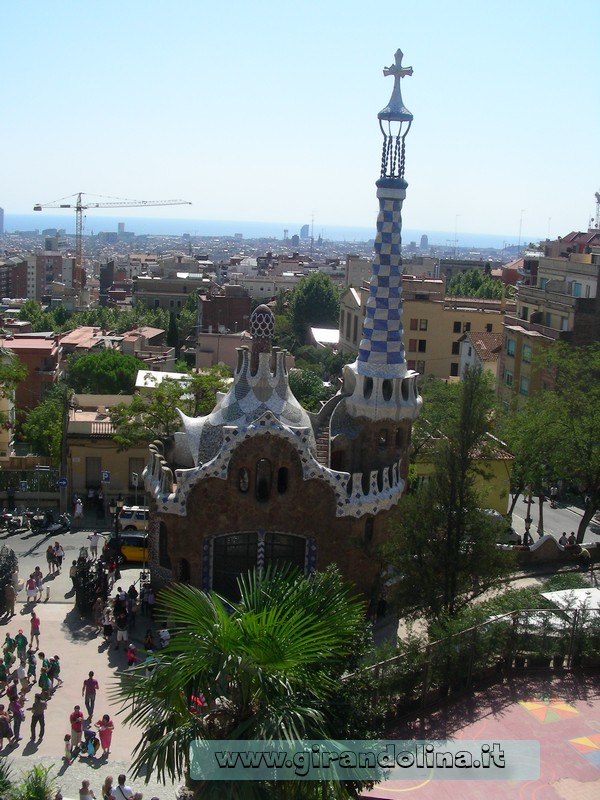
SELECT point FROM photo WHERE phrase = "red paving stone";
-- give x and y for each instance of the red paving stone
(563, 713)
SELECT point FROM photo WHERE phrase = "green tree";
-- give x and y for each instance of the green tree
(474, 283)
(42, 427)
(106, 372)
(154, 416)
(308, 389)
(266, 665)
(556, 434)
(443, 546)
(314, 301)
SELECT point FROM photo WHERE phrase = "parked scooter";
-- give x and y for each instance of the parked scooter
(46, 523)
(11, 522)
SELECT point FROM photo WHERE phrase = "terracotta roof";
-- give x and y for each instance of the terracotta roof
(487, 345)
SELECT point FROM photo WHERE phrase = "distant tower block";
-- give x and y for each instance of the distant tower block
(121, 228)
(424, 242)
(285, 234)
(304, 232)
(1, 220)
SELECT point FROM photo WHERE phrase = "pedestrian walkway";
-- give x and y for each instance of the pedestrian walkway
(65, 632)
(561, 712)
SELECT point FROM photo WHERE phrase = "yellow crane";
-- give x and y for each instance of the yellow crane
(80, 206)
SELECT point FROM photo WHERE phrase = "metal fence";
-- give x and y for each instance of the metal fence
(531, 639)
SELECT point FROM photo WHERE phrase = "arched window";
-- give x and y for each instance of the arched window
(263, 480)
(244, 480)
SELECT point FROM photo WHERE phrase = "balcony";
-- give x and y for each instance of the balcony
(95, 429)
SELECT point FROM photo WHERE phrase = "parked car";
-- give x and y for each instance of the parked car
(133, 518)
(129, 546)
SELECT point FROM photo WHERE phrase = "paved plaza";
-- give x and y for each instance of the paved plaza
(69, 635)
(561, 712)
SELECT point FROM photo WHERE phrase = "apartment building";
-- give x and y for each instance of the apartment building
(433, 323)
(557, 300)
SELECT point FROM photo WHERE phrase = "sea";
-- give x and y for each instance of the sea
(157, 226)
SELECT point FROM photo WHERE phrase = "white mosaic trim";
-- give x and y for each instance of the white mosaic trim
(158, 477)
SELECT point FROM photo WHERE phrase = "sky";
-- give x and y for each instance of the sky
(267, 111)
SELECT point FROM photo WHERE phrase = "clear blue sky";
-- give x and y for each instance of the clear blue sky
(268, 110)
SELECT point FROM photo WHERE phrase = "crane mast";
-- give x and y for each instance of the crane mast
(80, 207)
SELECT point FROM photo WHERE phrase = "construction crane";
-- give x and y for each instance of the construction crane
(80, 206)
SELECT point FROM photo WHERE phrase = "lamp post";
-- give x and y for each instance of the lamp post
(115, 507)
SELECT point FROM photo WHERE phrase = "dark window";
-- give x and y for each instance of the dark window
(281, 548)
(263, 480)
(244, 479)
(422, 346)
(488, 327)
(454, 369)
(455, 348)
(342, 316)
(233, 556)
(355, 330)
(386, 389)
(368, 388)
(282, 480)
(185, 572)
(411, 364)
(467, 327)
(414, 324)
(456, 327)
(412, 345)
(398, 437)
(369, 524)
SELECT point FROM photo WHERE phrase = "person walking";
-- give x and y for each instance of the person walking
(5, 729)
(94, 538)
(18, 715)
(78, 512)
(31, 667)
(38, 710)
(105, 731)
(76, 722)
(39, 583)
(10, 597)
(88, 692)
(21, 645)
(59, 554)
(121, 625)
(124, 792)
(50, 560)
(30, 589)
(35, 630)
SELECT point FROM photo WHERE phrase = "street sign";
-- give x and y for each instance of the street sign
(63, 483)
(22, 486)
(105, 476)
(134, 478)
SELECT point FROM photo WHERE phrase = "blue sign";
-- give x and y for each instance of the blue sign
(105, 476)
(63, 482)
(22, 486)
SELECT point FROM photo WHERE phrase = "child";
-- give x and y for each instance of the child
(132, 658)
(23, 679)
(68, 755)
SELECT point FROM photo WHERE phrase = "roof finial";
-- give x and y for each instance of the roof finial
(396, 111)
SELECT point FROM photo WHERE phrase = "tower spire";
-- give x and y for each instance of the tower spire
(381, 350)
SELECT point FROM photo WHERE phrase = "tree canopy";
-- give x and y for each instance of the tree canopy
(314, 301)
(474, 283)
(105, 372)
(265, 668)
(555, 435)
(308, 389)
(443, 545)
(154, 416)
(42, 427)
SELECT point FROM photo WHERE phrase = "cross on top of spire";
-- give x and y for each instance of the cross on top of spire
(396, 111)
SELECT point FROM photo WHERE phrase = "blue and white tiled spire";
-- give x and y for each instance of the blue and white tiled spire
(381, 351)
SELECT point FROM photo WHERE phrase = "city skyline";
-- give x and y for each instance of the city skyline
(270, 113)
